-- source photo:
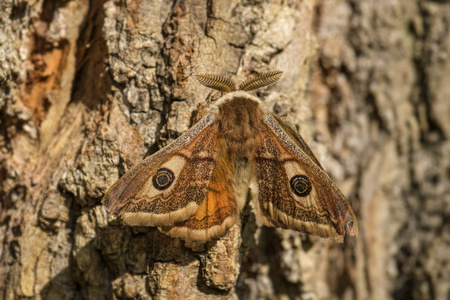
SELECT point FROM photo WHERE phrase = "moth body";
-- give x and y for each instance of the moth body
(239, 120)
(195, 188)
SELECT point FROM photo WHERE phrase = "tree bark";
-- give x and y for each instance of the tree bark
(88, 89)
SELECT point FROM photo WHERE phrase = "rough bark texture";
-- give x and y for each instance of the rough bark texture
(87, 89)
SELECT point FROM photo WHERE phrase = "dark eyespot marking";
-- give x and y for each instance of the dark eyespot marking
(163, 179)
(301, 185)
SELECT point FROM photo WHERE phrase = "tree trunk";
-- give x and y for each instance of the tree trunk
(88, 89)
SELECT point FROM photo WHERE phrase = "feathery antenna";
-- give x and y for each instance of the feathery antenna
(225, 84)
(261, 80)
(217, 82)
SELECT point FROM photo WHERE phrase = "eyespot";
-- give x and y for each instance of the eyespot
(163, 179)
(301, 185)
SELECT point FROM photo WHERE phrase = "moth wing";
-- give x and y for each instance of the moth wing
(218, 212)
(296, 138)
(191, 159)
(284, 162)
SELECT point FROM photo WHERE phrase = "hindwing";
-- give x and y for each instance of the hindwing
(218, 212)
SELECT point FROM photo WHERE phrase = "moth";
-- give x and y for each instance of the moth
(196, 187)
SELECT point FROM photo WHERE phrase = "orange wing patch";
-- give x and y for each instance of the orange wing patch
(218, 211)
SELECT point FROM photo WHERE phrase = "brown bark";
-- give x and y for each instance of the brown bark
(87, 89)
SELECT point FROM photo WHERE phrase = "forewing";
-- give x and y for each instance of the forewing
(191, 158)
(219, 210)
(283, 162)
(296, 138)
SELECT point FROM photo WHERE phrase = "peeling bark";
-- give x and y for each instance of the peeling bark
(88, 89)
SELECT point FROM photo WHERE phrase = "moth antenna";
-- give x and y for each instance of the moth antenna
(261, 80)
(217, 82)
